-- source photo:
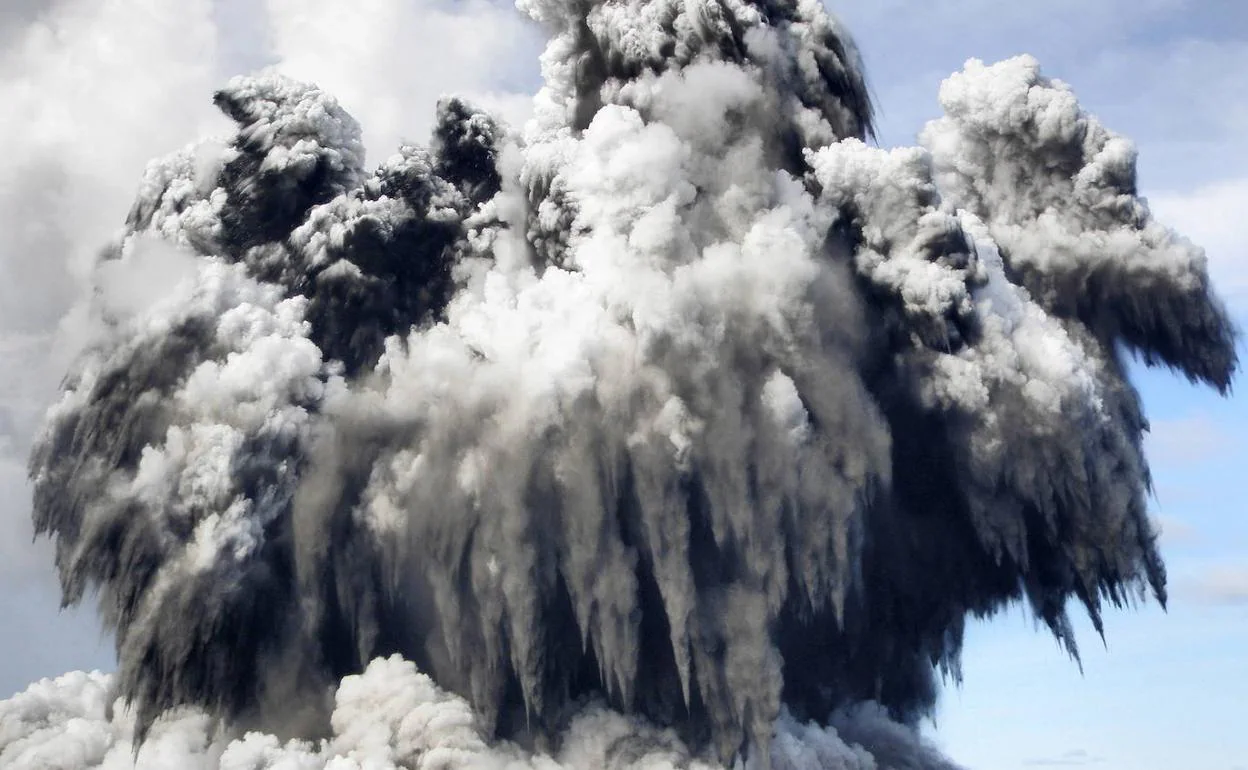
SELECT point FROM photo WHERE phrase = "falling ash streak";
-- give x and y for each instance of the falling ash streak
(674, 428)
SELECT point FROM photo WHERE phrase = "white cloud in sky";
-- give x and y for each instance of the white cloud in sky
(84, 109)
(243, 43)
(1071, 758)
(388, 61)
(1174, 530)
(1223, 584)
(15, 15)
(1214, 216)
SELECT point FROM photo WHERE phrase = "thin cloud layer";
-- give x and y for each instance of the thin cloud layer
(1223, 585)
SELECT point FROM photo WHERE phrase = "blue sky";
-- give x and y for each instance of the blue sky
(1169, 689)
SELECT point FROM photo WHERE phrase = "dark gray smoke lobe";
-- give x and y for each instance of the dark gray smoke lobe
(686, 402)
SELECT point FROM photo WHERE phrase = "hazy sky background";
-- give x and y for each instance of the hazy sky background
(93, 88)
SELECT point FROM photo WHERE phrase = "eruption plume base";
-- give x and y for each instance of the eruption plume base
(393, 716)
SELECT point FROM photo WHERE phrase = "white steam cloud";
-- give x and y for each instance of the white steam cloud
(394, 716)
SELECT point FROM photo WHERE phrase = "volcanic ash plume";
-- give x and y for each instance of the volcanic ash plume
(683, 427)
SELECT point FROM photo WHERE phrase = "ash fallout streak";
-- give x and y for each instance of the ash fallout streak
(682, 415)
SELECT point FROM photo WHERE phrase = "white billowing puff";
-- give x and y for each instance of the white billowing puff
(275, 370)
(57, 723)
(392, 716)
(899, 209)
(781, 397)
(64, 724)
(279, 105)
(1022, 343)
(195, 462)
(1053, 185)
(179, 197)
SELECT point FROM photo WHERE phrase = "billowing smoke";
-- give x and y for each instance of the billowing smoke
(680, 427)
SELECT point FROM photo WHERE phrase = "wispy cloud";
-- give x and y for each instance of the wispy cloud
(1222, 585)
(1174, 530)
(1186, 440)
(1072, 758)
